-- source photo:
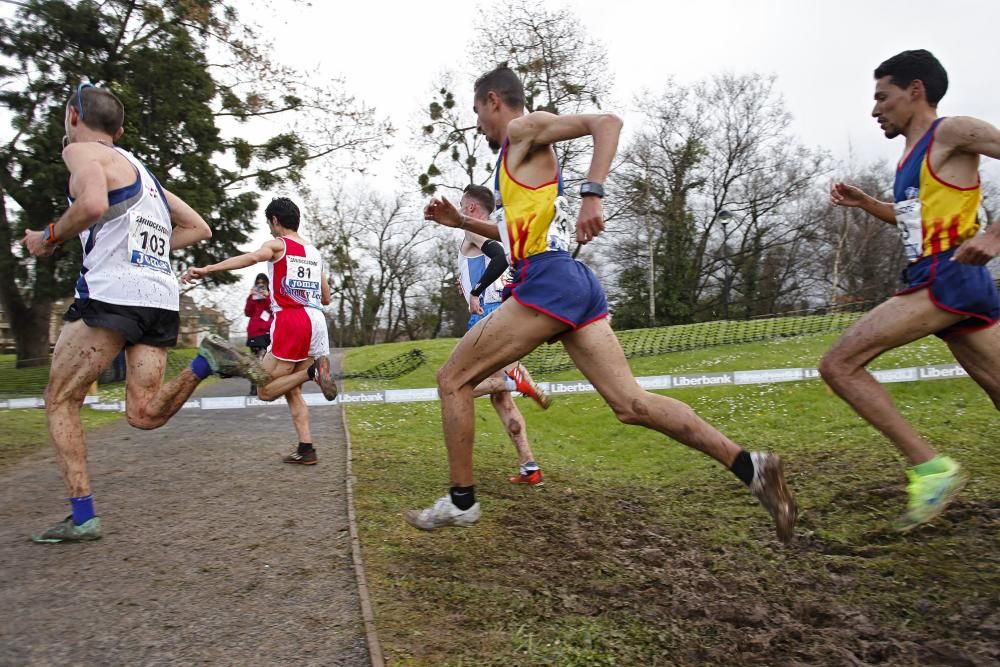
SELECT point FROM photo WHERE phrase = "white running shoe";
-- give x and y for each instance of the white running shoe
(442, 513)
(769, 487)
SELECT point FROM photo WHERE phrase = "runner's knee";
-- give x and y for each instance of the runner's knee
(632, 410)
(61, 395)
(832, 368)
(140, 419)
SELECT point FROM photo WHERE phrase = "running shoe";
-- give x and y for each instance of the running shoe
(769, 487)
(67, 531)
(442, 513)
(227, 360)
(930, 494)
(524, 384)
(306, 459)
(324, 379)
(533, 478)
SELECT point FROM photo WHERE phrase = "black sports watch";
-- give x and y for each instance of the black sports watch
(592, 189)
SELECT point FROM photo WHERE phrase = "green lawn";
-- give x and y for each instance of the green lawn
(638, 551)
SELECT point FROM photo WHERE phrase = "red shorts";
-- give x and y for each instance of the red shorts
(298, 334)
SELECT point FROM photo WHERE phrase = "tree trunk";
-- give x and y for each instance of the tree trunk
(31, 335)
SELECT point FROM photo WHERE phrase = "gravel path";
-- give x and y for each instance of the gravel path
(214, 552)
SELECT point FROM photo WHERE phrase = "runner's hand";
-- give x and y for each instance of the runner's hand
(475, 307)
(590, 222)
(36, 245)
(842, 194)
(443, 212)
(194, 274)
(978, 250)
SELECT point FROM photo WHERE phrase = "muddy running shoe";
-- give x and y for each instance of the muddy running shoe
(227, 360)
(533, 478)
(769, 487)
(306, 459)
(930, 494)
(440, 514)
(524, 384)
(324, 379)
(67, 531)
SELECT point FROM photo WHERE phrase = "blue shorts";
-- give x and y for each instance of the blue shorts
(487, 309)
(555, 284)
(964, 289)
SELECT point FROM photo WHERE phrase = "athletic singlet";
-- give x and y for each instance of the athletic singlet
(531, 220)
(470, 270)
(126, 254)
(932, 215)
(295, 278)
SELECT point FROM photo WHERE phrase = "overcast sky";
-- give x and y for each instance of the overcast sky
(823, 54)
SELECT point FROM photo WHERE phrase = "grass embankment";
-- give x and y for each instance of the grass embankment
(638, 551)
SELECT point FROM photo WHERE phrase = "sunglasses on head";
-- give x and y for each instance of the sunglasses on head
(79, 96)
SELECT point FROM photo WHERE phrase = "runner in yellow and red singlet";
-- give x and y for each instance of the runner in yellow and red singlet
(948, 292)
(552, 297)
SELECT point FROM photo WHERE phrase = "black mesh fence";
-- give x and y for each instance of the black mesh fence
(650, 342)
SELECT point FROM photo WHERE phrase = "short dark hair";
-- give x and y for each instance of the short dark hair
(285, 210)
(99, 108)
(906, 67)
(482, 194)
(503, 81)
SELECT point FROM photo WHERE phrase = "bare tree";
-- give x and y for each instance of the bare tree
(372, 248)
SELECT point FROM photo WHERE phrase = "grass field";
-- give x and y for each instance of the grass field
(638, 551)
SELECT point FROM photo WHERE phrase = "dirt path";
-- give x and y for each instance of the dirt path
(214, 551)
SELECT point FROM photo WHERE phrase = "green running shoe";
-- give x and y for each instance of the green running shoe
(930, 494)
(227, 360)
(67, 531)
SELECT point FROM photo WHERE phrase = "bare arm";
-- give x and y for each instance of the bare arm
(267, 253)
(541, 128)
(971, 135)
(189, 227)
(88, 185)
(848, 196)
(444, 213)
(324, 286)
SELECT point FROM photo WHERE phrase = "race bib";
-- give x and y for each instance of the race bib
(910, 227)
(264, 315)
(559, 230)
(148, 242)
(302, 279)
(500, 218)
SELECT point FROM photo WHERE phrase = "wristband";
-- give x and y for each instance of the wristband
(49, 235)
(592, 189)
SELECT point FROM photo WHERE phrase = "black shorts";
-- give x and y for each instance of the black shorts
(137, 324)
(261, 342)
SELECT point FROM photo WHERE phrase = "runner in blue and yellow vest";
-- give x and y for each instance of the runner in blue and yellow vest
(552, 297)
(947, 292)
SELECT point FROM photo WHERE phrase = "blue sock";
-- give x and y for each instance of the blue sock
(83, 509)
(200, 367)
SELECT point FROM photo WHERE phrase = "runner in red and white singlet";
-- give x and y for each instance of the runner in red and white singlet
(299, 343)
